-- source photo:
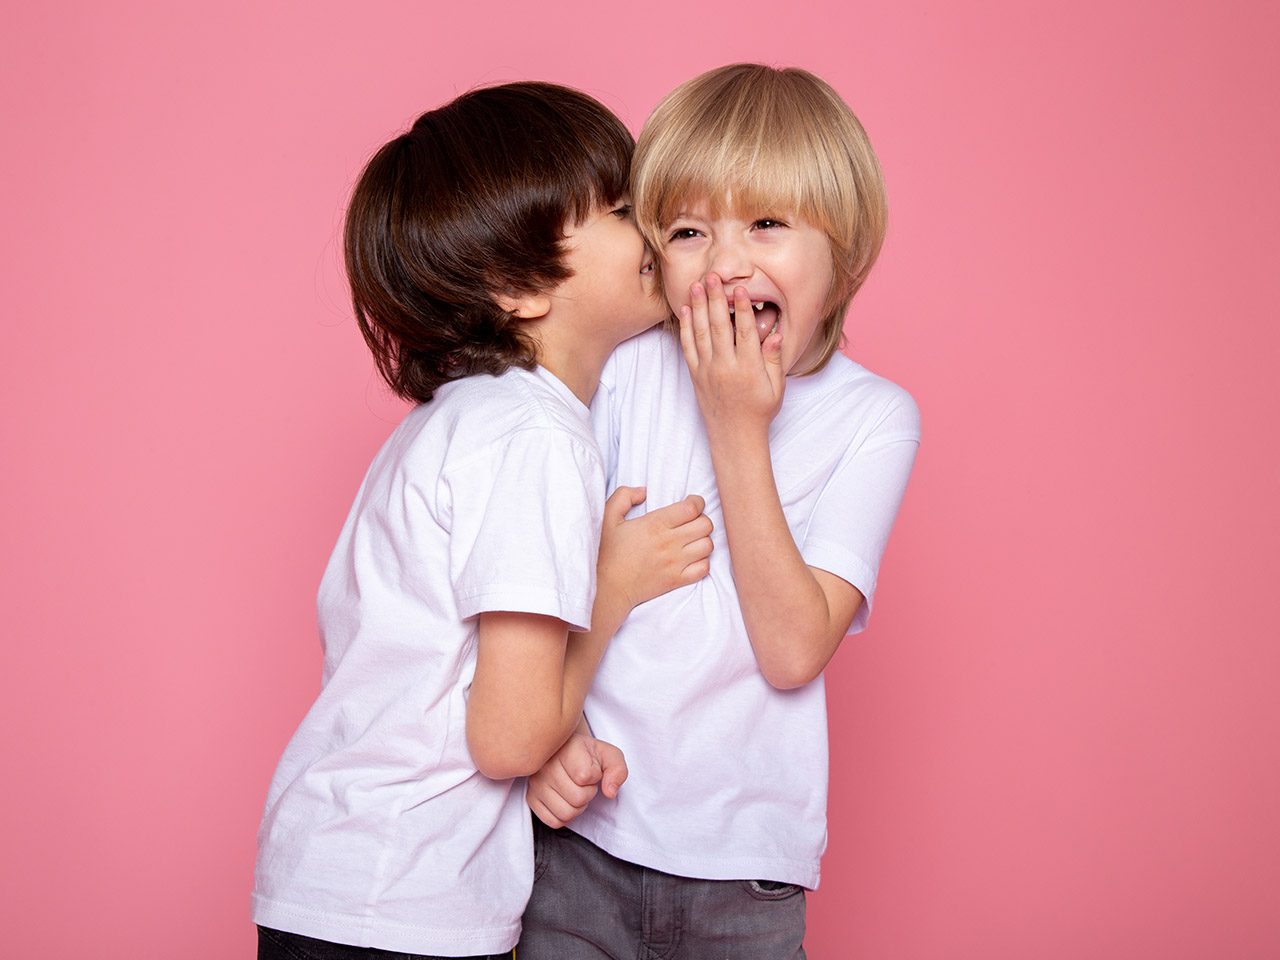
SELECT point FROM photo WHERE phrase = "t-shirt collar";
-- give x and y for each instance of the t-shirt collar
(558, 385)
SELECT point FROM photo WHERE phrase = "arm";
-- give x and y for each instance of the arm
(796, 615)
(532, 674)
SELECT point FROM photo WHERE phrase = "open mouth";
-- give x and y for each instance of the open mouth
(767, 316)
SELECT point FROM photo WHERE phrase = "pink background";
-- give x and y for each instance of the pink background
(1058, 739)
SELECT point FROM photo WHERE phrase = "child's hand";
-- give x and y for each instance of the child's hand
(738, 379)
(646, 557)
(567, 782)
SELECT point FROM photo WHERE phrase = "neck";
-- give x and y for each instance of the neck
(576, 365)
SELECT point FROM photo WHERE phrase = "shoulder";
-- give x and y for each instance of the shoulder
(887, 409)
(644, 353)
(480, 415)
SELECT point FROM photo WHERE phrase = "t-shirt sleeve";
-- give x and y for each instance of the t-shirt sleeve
(525, 518)
(854, 515)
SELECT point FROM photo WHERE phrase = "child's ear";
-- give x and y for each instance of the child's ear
(524, 306)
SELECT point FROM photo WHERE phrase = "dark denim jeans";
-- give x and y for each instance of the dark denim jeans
(278, 945)
(587, 905)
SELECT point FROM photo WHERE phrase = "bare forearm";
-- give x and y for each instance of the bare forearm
(583, 653)
(532, 676)
(523, 712)
(785, 609)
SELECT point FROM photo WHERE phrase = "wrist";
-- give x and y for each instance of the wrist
(614, 597)
(739, 441)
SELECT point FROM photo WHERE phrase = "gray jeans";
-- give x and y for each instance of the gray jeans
(587, 905)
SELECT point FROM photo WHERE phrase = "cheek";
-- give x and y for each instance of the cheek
(675, 287)
(682, 268)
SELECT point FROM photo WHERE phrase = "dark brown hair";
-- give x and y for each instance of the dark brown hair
(469, 204)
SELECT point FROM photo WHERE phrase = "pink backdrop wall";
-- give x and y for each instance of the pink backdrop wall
(1058, 739)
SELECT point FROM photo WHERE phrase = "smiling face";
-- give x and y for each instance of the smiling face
(785, 154)
(613, 291)
(783, 262)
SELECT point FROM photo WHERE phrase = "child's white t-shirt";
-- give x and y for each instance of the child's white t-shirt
(728, 775)
(379, 831)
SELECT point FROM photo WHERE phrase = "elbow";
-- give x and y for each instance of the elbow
(504, 762)
(501, 755)
(805, 653)
(793, 667)
(792, 675)
(799, 662)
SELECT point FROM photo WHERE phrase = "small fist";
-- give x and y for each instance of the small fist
(583, 767)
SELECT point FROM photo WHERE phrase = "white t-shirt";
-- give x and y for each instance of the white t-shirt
(379, 831)
(728, 775)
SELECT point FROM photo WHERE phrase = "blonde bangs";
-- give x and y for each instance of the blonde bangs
(748, 174)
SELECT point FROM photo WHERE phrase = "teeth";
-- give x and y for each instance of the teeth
(757, 307)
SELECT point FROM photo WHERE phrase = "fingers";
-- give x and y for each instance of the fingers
(772, 347)
(579, 760)
(709, 333)
(614, 765)
(679, 513)
(695, 554)
(696, 550)
(688, 342)
(542, 813)
(552, 809)
(772, 351)
(721, 327)
(694, 572)
(695, 538)
(746, 339)
(554, 796)
(698, 528)
(621, 501)
(688, 526)
(561, 790)
(557, 783)
(692, 546)
(699, 323)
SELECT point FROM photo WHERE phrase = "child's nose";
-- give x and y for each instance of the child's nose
(730, 263)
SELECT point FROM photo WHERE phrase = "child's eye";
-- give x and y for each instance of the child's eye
(623, 211)
(684, 233)
(767, 223)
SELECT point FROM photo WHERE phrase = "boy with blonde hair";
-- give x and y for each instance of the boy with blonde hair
(761, 194)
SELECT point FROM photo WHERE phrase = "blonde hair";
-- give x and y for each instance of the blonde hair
(752, 138)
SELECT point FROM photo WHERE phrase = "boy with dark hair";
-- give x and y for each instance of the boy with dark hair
(494, 266)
